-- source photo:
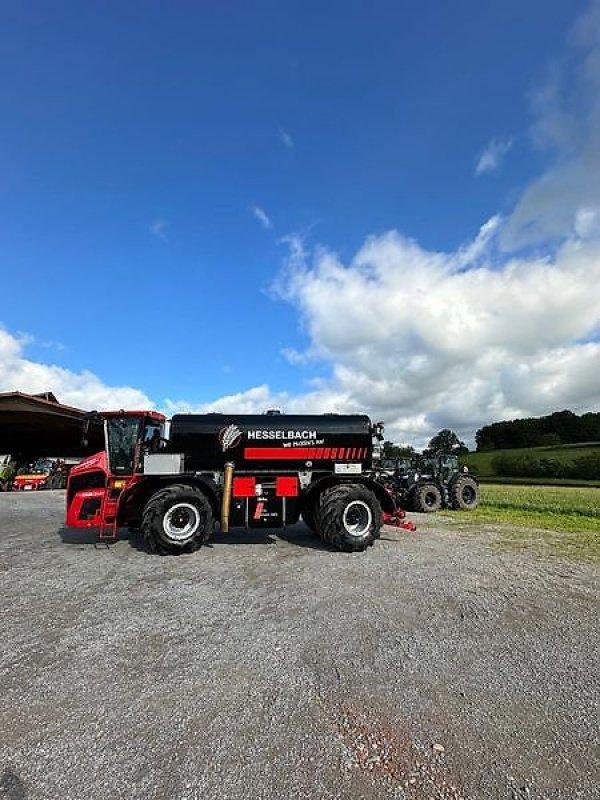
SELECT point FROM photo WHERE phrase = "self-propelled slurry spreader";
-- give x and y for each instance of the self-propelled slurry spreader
(174, 479)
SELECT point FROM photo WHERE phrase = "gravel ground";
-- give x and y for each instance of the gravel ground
(268, 666)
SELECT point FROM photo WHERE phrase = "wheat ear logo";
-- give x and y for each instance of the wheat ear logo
(229, 437)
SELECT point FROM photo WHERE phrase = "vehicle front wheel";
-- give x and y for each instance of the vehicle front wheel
(349, 517)
(464, 495)
(427, 498)
(177, 519)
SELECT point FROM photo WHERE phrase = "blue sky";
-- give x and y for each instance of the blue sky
(160, 162)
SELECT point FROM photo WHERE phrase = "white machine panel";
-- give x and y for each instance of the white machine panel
(163, 463)
(347, 469)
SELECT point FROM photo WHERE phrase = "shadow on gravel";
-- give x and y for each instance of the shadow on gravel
(301, 536)
(297, 535)
(90, 535)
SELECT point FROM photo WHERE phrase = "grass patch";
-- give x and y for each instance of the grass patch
(552, 500)
(540, 481)
(562, 520)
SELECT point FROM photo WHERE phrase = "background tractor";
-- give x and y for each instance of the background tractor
(429, 483)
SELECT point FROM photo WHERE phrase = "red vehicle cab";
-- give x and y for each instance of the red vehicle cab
(96, 483)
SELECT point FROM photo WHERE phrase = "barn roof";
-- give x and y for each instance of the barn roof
(33, 425)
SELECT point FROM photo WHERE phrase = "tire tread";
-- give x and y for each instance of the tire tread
(419, 498)
(456, 498)
(329, 509)
(155, 509)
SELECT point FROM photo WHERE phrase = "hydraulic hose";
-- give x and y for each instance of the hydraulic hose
(226, 502)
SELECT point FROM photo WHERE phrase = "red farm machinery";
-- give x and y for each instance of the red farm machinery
(173, 479)
(44, 473)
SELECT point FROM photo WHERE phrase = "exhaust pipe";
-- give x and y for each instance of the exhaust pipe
(226, 502)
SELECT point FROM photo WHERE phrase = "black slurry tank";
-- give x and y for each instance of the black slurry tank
(272, 442)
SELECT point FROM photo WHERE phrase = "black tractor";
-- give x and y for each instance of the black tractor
(459, 489)
(429, 483)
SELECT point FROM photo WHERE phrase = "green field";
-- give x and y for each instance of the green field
(482, 463)
(556, 519)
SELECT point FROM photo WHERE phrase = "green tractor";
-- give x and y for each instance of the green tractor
(429, 483)
(8, 470)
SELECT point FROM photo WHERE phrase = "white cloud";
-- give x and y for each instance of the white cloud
(252, 401)
(423, 345)
(81, 389)
(259, 399)
(475, 250)
(587, 222)
(287, 139)
(159, 229)
(294, 357)
(52, 344)
(566, 126)
(491, 158)
(262, 217)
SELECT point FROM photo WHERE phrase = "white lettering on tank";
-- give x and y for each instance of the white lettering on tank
(278, 434)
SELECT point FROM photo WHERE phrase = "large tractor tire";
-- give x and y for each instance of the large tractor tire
(177, 519)
(464, 493)
(427, 498)
(348, 517)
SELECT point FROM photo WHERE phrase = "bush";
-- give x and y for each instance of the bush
(586, 467)
(583, 468)
(550, 440)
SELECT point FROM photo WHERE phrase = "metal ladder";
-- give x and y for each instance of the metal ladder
(108, 530)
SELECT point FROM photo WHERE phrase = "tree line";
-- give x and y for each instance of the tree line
(561, 427)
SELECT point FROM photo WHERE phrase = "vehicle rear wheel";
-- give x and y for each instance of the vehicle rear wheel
(427, 498)
(177, 519)
(464, 494)
(349, 517)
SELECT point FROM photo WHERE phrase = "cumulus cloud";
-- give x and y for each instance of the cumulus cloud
(252, 401)
(492, 156)
(258, 399)
(80, 389)
(262, 216)
(415, 340)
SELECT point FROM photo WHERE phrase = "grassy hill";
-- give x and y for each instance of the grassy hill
(482, 464)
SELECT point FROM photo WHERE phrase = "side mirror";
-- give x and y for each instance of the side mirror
(86, 427)
(377, 431)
